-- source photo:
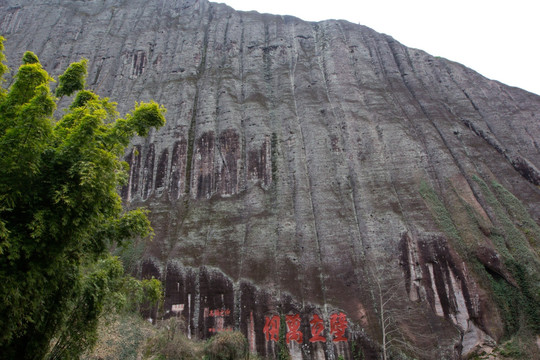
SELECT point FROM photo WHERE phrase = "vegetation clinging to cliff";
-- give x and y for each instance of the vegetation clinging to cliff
(515, 236)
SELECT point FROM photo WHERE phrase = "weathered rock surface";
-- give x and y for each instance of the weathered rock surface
(318, 169)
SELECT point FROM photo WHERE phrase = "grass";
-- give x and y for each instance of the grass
(120, 337)
(129, 337)
(438, 209)
(227, 345)
(170, 342)
(515, 236)
(518, 347)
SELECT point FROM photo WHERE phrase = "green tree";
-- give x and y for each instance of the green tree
(104, 289)
(59, 209)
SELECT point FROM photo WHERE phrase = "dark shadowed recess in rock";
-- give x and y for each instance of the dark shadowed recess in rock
(211, 302)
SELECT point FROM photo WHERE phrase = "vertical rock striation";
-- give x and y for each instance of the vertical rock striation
(311, 169)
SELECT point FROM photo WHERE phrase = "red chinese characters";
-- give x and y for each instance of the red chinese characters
(293, 328)
(271, 328)
(338, 325)
(219, 312)
(338, 328)
(317, 328)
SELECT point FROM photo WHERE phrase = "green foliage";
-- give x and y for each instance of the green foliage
(30, 58)
(506, 298)
(283, 350)
(30, 80)
(97, 285)
(121, 336)
(513, 349)
(514, 224)
(227, 345)
(130, 254)
(60, 211)
(516, 238)
(138, 292)
(441, 214)
(171, 342)
(356, 351)
(521, 217)
(146, 116)
(73, 79)
(518, 347)
(82, 98)
(3, 67)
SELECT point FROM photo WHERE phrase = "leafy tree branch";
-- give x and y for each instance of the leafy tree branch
(60, 211)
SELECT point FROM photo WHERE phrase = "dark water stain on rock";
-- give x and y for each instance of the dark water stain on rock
(229, 158)
(148, 172)
(259, 163)
(178, 168)
(211, 302)
(161, 172)
(203, 166)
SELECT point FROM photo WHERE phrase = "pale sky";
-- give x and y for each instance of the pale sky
(499, 39)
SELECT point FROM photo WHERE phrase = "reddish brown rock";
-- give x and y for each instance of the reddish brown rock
(312, 169)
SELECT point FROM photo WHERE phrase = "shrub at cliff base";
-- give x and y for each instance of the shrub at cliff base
(126, 336)
(121, 336)
(171, 343)
(60, 211)
(227, 345)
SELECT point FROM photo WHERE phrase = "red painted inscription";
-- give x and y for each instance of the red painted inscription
(338, 325)
(219, 312)
(293, 326)
(317, 328)
(271, 328)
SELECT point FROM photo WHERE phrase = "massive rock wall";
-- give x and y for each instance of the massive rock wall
(319, 169)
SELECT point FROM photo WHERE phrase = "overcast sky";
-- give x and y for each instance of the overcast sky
(499, 39)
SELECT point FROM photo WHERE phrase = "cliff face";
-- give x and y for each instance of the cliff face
(313, 169)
